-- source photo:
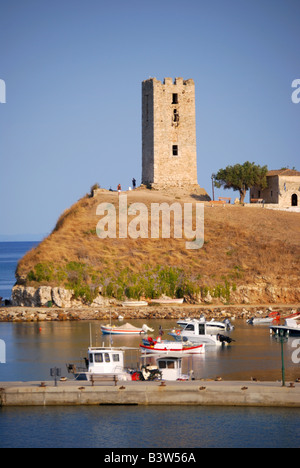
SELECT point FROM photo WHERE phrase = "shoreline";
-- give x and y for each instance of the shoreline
(163, 312)
(195, 393)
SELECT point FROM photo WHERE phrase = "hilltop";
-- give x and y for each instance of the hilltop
(250, 255)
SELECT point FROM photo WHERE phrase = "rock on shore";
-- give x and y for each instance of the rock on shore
(27, 296)
(261, 292)
(47, 303)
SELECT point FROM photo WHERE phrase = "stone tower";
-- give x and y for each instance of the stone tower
(169, 133)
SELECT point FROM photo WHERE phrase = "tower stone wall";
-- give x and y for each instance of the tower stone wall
(169, 133)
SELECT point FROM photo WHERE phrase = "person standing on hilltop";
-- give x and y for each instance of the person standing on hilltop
(119, 188)
(133, 183)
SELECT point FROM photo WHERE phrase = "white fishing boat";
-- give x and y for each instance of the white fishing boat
(164, 346)
(196, 332)
(212, 326)
(126, 329)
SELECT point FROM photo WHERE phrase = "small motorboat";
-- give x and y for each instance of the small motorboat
(167, 301)
(164, 346)
(169, 366)
(213, 326)
(134, 304)
(291, 327)
(273, 317)
(126, 329)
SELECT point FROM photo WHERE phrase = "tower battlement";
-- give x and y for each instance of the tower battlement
(169, 132)
(173, 82)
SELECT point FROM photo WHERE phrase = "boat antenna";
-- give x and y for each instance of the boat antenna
(110, 334)
(91, 344)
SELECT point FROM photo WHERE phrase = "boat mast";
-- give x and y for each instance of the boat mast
(91, 344)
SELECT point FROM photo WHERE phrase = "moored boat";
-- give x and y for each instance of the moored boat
(171, 368)
(102, 363)
(290, 328)
(212, 326)
(196, 332)
(126, 329)
(173, 347)
(135, 304)
(167, 301)
(107, 364)
(273, 317)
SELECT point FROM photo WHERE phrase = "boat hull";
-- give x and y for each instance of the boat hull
(200, 349)
(120, 331)
(291, 332)
(167, 301)
(135, 304)
(258, 321)
(197, 340)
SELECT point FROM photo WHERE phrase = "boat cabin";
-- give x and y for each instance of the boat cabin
(170, 368)
(195, 327)
(105, 360)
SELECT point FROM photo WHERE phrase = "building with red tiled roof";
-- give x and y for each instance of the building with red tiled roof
(283, 189)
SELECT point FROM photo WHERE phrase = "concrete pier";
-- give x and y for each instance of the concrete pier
(205, 393)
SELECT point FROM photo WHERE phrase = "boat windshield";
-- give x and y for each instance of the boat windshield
(103, 357)
(98, 357)
(166, 364)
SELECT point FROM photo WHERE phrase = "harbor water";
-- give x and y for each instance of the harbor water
(33, 348)
(149, 427)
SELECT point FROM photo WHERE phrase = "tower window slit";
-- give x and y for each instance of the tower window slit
(175, 98)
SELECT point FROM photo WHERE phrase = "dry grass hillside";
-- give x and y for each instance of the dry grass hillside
(244, 248)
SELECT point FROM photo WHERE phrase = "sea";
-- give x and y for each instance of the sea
(33, 349)
(10, 254)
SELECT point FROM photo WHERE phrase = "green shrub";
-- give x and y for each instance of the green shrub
(43, 272)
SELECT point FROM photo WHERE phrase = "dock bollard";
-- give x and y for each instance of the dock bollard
(55, 372)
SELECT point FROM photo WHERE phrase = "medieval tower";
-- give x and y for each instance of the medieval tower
(169, 133)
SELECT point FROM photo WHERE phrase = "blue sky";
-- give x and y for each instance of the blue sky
(73, 71)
